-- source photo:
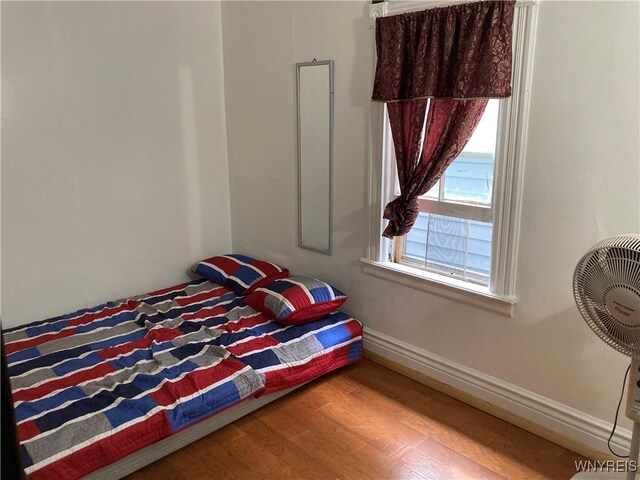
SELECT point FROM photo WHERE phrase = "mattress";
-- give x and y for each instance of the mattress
(150, 454)
(96, 385)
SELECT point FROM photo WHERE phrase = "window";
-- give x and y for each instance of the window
(452, 235)
(467, 230)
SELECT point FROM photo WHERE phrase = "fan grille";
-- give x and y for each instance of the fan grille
(606, 288)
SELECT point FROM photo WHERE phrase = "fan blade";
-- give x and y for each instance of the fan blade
(594, 279)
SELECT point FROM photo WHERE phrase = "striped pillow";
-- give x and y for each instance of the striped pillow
(296, 299)
(242, 273)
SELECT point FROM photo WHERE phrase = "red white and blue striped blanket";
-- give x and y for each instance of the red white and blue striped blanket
(96, 385)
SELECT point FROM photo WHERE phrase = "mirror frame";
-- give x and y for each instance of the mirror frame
(315, 63)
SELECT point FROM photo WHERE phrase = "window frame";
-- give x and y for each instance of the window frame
(469, 210)
(508, 171)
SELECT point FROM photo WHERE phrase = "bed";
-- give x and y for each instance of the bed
(107, 390)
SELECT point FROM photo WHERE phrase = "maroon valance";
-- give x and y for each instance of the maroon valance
(460, 52)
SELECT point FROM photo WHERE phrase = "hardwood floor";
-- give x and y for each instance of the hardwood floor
(366, 422)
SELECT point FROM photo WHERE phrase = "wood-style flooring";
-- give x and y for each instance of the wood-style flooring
(366, 422)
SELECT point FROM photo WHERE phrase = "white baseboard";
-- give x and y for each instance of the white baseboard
(533, 408)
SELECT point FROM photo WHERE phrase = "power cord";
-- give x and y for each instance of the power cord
(615, 420)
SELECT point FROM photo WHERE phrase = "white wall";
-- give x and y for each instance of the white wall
(114, 168)
(114, 164)
(582, 184)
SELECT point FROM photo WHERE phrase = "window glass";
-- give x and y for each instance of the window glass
(453, 246)
(434, 192)
(470, 177)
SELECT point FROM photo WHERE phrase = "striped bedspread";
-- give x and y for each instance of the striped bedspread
(96, 385)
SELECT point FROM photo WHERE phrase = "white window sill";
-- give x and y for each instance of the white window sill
(440, 285)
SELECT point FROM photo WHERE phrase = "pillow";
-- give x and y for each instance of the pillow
(296, 299)
(240, 272)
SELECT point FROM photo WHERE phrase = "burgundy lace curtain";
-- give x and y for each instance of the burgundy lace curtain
(458, 57)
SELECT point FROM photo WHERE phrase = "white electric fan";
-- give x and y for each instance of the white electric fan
(606, 287)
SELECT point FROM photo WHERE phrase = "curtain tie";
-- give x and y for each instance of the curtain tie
(402, 214)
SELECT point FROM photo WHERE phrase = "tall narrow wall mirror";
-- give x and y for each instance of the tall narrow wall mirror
(314, 81)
